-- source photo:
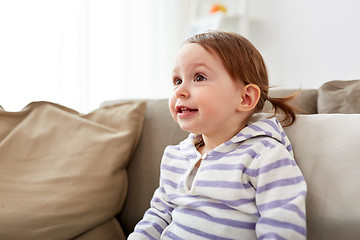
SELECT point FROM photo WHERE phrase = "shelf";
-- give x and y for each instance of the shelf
(234, 20)
(216, 21)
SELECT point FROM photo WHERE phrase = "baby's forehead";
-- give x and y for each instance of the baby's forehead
(197, 47)
(196, 54)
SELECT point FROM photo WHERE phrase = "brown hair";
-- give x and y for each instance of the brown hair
(244, 62)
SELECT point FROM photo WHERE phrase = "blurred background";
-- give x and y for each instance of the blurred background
(80, 53)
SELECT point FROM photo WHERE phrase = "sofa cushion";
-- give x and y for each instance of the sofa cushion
(339, 97)
(62, 174)
(326, 148)
(109, 230)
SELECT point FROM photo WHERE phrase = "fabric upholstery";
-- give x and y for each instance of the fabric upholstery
(109, 230)
(63, 174)
(326, 148)
(339, 97)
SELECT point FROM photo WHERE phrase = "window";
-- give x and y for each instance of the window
(79, 53)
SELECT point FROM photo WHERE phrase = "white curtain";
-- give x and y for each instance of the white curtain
(79, 53)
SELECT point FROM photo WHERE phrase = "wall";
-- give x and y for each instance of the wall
(80, 53)
(307, 42)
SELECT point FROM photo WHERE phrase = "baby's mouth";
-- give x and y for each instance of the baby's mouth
(183, 109)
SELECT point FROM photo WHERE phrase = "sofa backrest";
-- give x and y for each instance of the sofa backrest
(327, 150)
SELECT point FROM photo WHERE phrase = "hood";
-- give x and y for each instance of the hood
(260, 126)
(263, 127)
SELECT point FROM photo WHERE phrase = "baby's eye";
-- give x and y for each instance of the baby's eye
(199, 78)
(177, 81)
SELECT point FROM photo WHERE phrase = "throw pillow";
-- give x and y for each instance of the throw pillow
(63, 173)
(339, 97)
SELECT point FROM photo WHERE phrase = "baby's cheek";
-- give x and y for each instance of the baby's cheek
(173, 114)
(172, 109)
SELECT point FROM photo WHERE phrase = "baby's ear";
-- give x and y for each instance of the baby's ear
(250, 95)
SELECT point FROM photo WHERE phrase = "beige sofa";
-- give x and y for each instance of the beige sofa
(65, 175)
(326, 147)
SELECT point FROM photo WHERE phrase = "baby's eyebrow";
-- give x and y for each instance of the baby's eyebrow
(175, 70)
(201, 64)
(193, 66)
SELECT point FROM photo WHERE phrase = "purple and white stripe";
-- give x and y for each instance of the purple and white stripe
(249, 184)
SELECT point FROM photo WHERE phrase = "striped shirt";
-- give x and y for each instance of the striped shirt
(247, 188)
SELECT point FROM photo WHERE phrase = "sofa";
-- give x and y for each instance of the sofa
(67, 175)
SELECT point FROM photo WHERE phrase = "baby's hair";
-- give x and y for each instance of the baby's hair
(244, 62)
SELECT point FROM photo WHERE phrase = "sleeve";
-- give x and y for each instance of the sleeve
(280, 195)
(156, 218)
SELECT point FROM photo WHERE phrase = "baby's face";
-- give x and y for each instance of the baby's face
(204, 98)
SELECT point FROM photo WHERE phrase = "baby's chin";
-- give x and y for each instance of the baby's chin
(189, 130)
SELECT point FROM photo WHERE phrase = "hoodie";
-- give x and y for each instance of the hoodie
(247, 188)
